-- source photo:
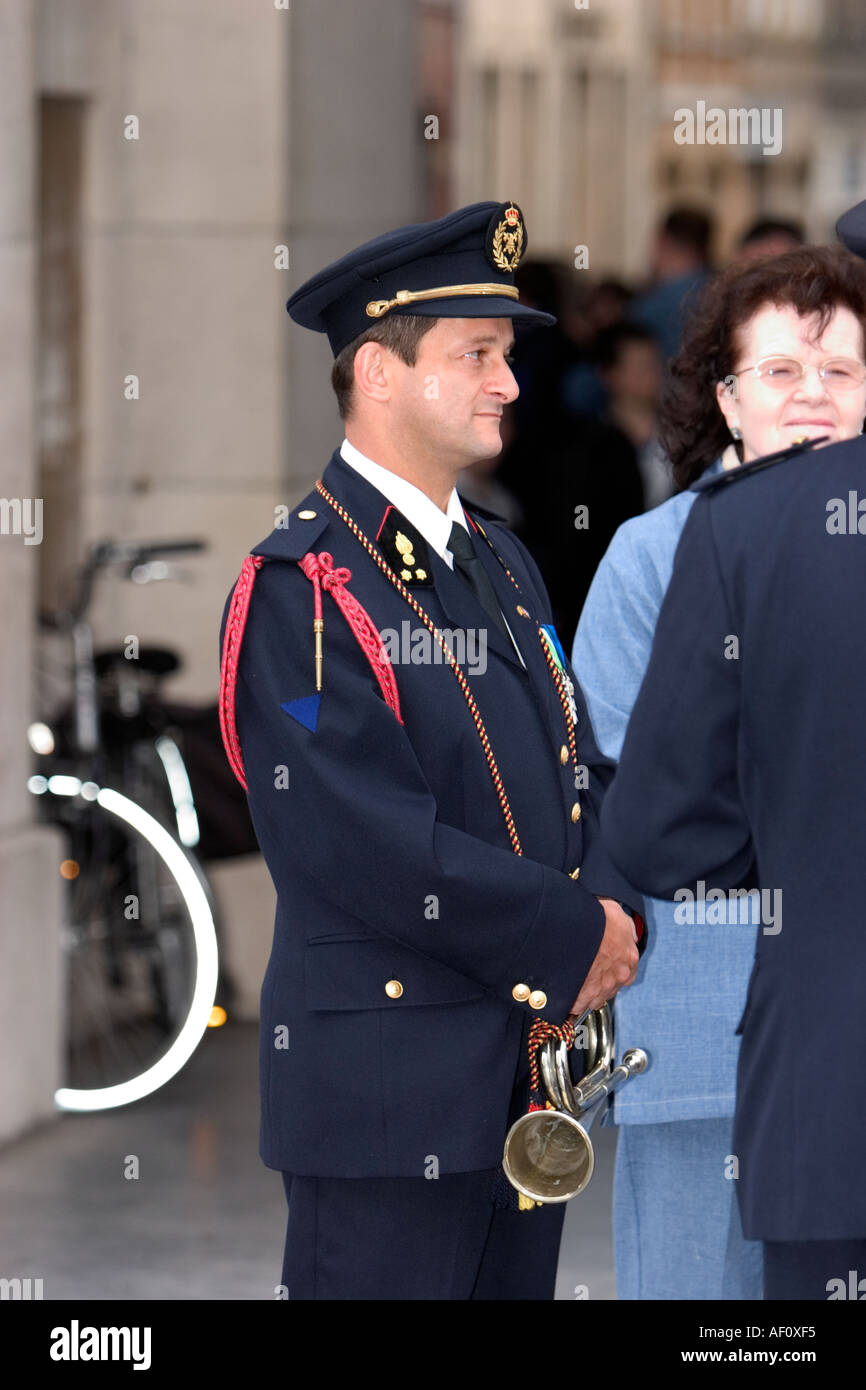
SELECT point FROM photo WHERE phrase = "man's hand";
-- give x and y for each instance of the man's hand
(615, 963)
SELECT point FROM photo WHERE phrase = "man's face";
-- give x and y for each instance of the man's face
(450, 402)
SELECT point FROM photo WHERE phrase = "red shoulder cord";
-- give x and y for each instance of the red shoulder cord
(321, 571)
(234, 634)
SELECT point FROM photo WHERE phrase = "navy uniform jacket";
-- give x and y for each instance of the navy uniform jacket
(754, 768)
(393, 863)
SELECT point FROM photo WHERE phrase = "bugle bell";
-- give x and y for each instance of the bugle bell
(548, 1153)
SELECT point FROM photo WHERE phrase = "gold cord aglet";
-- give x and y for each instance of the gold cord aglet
(318, 629)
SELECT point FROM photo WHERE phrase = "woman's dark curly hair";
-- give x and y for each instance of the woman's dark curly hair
(811, 279)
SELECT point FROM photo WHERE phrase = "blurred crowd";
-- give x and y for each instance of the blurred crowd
(581, 448)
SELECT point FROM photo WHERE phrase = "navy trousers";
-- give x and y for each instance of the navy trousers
(415, 1238)
(815, 1269)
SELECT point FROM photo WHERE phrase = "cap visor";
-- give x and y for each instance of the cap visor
(480, 306)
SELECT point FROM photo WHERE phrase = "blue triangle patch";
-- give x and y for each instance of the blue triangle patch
(305, 710)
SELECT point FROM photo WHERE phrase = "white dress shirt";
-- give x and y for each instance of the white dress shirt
(434, 524)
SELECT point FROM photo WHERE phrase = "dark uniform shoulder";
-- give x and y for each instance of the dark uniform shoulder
(714, 481)
(493, 527)
(476, 509)
(297, 529)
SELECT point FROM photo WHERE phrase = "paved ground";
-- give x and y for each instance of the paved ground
(205, 1219)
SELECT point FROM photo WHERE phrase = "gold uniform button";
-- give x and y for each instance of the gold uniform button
(393, 989)
(306, 516)
(537, 999)
(563, 755)
(524, 612)
(521, 992)
(575, 812)
(575, 873)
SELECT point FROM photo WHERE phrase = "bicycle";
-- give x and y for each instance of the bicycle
(139, 931)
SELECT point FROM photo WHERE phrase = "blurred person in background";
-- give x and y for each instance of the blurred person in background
(542, 356)
(576, 475)
(677, 1229)
(591, 484)
(631, 371)
(608, 304)
(680, 268)
(770, 236)
(600, 308)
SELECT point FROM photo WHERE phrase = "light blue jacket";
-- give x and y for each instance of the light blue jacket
(691, 983)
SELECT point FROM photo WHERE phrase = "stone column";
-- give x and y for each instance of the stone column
(356, 160)
(30, 883)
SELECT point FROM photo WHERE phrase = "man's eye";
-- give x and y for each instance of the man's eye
(476, 352)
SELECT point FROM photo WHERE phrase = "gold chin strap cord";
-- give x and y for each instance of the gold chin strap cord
(377, 307)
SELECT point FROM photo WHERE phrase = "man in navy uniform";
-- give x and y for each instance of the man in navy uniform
(425, 788)
(745, 763)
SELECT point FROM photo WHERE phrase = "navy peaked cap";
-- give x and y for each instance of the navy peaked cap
(460, 266)
(851, 229)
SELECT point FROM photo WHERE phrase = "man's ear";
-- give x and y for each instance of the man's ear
(373, 370)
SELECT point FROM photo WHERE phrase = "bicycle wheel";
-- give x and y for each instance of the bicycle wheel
(140, 947)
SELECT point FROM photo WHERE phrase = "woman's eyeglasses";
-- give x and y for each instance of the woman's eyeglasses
(837, 373)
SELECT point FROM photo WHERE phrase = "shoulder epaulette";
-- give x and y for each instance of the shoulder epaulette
(294, 543)
(294, 535)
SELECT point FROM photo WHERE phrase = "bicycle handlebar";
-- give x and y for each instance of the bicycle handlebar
(103, 554)
(172, 548)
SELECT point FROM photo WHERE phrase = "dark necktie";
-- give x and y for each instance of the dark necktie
(467, 563)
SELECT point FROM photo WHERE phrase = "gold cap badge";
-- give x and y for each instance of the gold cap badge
(506, 237)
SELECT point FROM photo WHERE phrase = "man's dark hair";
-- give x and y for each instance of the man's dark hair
(689, 228)
(400, 333)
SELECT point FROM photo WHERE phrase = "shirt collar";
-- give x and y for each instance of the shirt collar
(434, 524)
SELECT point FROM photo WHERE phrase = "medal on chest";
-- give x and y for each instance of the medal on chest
(557, 656)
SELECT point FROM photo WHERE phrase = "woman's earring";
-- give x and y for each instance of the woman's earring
(736, 432)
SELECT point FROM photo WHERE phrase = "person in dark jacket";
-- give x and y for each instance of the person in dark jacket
(741, 775)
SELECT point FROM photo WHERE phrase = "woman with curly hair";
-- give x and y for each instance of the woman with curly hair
(775, 352)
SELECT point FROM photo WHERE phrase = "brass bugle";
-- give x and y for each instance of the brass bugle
(548, 1153)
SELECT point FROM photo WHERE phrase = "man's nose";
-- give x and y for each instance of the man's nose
(504, 384)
